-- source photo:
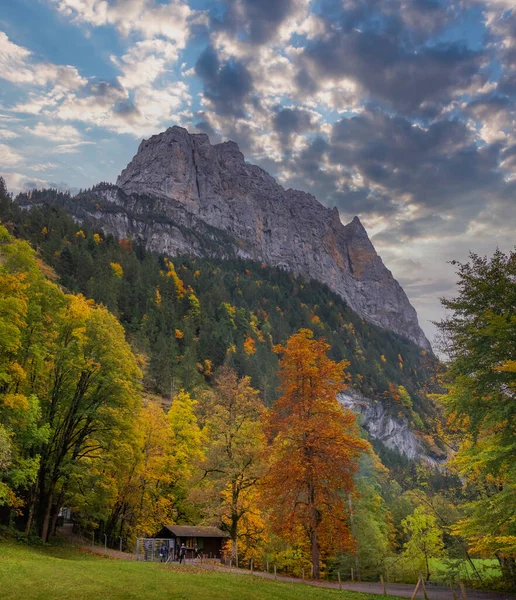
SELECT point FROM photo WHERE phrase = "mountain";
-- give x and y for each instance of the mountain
(180, 191)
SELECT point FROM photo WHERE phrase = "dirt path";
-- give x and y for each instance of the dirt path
(393, 589)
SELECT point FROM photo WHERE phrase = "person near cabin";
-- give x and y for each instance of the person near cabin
(147, 549)
(197, 552)
(182, 553)
(163, 552)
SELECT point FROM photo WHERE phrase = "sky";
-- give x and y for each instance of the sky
(399, 111)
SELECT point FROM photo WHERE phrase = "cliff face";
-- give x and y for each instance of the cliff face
(177, 178)
(394, 432)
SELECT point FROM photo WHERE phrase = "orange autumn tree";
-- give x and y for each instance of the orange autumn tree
(315, 451)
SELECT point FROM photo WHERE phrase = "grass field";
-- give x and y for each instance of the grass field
(488, 569)
(62, 573)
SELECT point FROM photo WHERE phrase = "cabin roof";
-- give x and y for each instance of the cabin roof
(201, 532)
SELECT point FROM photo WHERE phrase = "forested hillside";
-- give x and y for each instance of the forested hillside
(190, 315)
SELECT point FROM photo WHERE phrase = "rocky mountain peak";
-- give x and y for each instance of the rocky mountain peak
(196, 182)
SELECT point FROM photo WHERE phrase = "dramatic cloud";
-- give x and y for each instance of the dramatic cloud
(258, 21)
(226, 86)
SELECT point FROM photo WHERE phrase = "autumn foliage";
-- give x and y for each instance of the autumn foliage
(315, 450)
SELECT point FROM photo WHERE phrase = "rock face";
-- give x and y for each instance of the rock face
(392, 432)
(177, 178)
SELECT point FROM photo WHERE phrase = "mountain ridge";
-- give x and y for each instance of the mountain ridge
(178, 179)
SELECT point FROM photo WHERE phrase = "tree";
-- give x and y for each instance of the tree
(234, 444)
(315, 450)
(88, 397)
(186, 453)
(425, 539)
(68, 384)
(479, 337)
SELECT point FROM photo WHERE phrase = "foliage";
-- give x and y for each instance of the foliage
(315, 450)
(425, 540)
(68, 385)
(479, 336)
(233, 466)
(372, 525)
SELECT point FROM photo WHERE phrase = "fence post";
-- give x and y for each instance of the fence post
(252, 566)
(93, 537)
(383, 585)
(423, 585)
(303, 574)
(463, 590)
(105, 542)
(352, 575)
(267, 567)
(274, 571)
(455, 597)
(340, 582)
(416, 589)
(120, 543)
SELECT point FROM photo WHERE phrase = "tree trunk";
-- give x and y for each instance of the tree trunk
(234, 538)
(32, 507)
(314, 541)
(508, 567)
(352, 523)
(314, 535)
(45, 529)
(55, 516)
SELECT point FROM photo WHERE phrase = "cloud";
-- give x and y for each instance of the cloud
(17, 65)
(20, 182)
(227, 86)
(412, 80)
(71, 148)
(257, 20)
(289, 121)
(145, 17)
(56, 133)
(9, 157)
(7, 134)
(145, 62)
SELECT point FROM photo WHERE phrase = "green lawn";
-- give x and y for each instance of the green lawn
(59, 573)
(486, 568)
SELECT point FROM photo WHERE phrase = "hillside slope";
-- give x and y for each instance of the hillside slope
(190, 316)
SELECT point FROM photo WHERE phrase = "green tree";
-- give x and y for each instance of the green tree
(186, 453)
(425, 540)
(479, 336)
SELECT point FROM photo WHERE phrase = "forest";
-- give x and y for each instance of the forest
(138, 389)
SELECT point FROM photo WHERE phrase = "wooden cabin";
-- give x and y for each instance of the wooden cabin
(209, 540)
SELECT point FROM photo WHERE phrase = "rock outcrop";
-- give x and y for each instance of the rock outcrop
(178, 183)
(392, 431)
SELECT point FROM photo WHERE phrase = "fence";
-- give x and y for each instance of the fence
(150, 549)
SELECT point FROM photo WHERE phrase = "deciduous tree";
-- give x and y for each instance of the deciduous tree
(234, 436)
(315, 450)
